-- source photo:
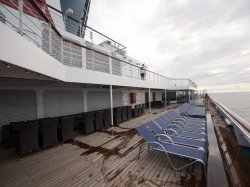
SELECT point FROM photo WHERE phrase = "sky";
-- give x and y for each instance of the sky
(207, 41)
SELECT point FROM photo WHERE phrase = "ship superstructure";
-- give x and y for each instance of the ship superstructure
(53, 64)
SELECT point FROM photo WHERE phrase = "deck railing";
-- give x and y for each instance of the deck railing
(39, 24)
(242, 130)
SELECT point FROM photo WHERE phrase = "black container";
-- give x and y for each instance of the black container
(129, 112)
(117, 115)
(124, 113)
(66, 128)
(107, 118)
(139, 110)
(87, 123)
(48, 132)
(28, 140)
(98, 120)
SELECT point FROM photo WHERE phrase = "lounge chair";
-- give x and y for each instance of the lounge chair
(193, 111)
(193, 102)
(177, 140)
(176, 115)
(198, 155)
(172, 129)
(198, 125)
(183, 126)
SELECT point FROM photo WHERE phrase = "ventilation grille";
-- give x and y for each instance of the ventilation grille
(72, 54)
(116, 67)
(97, 62)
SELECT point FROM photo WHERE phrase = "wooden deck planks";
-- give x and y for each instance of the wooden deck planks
(66, 165)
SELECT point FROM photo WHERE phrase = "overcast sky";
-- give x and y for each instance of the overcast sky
(207, 41)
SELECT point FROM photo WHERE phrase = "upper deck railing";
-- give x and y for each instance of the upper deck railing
(74, 26)
(43, 26)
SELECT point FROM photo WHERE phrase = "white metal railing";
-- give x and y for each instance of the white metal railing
(41, 33)
(75, 27)
(241, 126)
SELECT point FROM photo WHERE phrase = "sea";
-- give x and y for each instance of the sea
(238, 102)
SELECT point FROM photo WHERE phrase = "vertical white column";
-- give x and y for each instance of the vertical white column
(20, 6)
(176, 95)
(85, 100)
(149, 100)
(111, 104)
(189, 93)
(39, 103)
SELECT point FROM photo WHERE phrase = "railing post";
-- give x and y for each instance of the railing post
(20, 6)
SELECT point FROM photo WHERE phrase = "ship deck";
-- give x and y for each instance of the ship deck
(107, 158)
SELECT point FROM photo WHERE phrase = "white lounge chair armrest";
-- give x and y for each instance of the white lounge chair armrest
(174, 125)
(179, 122)
(172, 130)
(165, 136)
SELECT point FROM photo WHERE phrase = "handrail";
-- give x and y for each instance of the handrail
(55, 29)
(86, 26)
(236, 117)
(44, 16)
(77, 44)
(152, 76)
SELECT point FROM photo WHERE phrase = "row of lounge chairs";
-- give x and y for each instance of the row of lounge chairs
(174, 133)
(29, 136)
(193, 110)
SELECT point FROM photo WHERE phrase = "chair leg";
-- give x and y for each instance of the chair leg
(184, 166)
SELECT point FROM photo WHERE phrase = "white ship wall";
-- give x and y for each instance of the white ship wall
(21, 103)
